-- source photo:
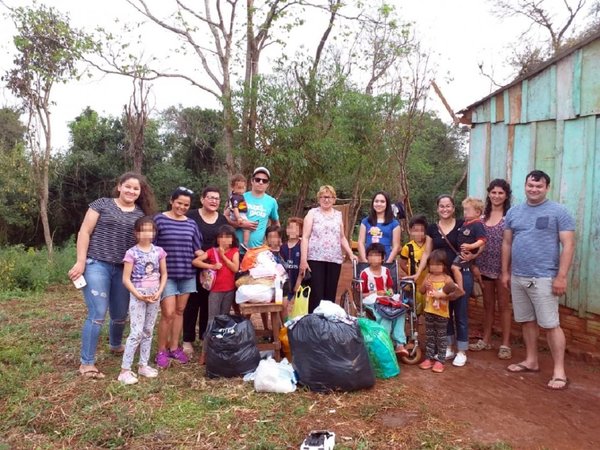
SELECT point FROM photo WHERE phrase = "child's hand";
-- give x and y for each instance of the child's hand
(155, 297)
(217, 266)
(464, 247)
(437, 294)
(222, 251)
(428, 285)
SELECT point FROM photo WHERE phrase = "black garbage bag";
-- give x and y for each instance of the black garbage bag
(330, 355)
(231, 349)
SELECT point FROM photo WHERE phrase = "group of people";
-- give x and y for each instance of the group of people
(136, 261)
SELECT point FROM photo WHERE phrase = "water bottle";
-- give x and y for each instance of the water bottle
(278, 290)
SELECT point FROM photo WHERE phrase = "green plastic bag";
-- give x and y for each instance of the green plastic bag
(380, 348)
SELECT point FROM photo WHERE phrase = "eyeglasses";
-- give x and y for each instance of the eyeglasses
(186, 190)
(261, 180)
(211, 198)
(326, 197)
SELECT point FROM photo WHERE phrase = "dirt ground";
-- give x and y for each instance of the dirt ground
(514, 408)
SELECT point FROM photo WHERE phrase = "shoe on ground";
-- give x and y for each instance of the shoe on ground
(179, 355)
(449, 354)
(426, 364)
(127, 377)
(188, 349)
(118, 350)
(480, 345)
(147, 371)
(162, 359)
(438, 367)
(504, 352)
(460, 359)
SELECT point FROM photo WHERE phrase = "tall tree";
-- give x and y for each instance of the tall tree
(48, 50)
(550, 26)
(136, 114)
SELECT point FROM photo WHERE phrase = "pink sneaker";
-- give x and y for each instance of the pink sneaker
(179, 355)
(438, 367)
(162, 359)
(426, 365)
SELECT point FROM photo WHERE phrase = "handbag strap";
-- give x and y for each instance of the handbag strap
(216, 253)
(447, 240)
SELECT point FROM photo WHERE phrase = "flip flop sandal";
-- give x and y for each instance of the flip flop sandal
(521, 368)
(92, 374)
(565, 382)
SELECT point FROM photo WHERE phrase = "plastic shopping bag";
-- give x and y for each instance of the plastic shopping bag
(380, 348)
(300, 302)
(254, 293)
(272, 376)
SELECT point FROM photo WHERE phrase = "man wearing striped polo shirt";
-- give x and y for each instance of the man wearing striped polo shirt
(537, 252)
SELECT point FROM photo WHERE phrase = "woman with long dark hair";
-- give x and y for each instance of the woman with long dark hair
(105, 235)
(380, 227)
(497, 203)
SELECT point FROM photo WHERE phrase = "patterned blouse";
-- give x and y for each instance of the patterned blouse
(325, 242)
(490, 261)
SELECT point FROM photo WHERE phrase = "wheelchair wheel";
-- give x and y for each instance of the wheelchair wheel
(347, 303)
(414, 355)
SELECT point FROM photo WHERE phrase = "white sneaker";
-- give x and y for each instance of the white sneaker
(460, 359)
(127, 377)
(147, 371)
(449, 353)
(188, 348)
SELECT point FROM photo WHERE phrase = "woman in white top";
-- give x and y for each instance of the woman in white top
(323, 241)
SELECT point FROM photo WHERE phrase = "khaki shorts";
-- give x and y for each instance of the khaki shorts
(533, 300)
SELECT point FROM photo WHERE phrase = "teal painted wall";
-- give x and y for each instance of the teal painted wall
(550, 123)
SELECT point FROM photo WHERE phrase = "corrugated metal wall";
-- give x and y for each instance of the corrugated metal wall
(551, 122)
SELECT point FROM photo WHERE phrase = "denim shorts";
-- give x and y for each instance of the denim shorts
(533, 301)
(179, 287)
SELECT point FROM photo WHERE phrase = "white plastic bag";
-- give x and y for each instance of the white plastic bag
(254, 293)
(273, 376)
(370, 299)
(330, 310)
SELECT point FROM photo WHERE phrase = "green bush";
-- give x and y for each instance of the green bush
(29, 270)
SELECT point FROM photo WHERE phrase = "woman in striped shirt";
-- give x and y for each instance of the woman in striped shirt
(105, 235)
(180, 237)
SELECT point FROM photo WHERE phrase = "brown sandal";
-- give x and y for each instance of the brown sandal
(92, 374)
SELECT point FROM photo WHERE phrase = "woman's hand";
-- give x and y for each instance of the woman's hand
(77, 270)
(304, 267)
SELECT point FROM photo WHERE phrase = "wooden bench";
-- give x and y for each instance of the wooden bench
(274, 309)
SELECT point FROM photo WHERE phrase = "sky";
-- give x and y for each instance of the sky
(459, 34)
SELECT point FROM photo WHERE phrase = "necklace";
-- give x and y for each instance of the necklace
(125, 208)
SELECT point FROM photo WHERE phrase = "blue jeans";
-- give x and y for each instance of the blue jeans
(459, 314)
(104, 292)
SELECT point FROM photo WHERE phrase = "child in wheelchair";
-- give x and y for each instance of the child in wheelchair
(377, 281)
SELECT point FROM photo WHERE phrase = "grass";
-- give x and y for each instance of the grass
(44, 404)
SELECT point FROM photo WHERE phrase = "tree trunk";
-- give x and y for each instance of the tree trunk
(228, 129)
(301, 199)
(43, 179)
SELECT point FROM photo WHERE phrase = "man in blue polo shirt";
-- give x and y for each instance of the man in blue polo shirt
(537, 252)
